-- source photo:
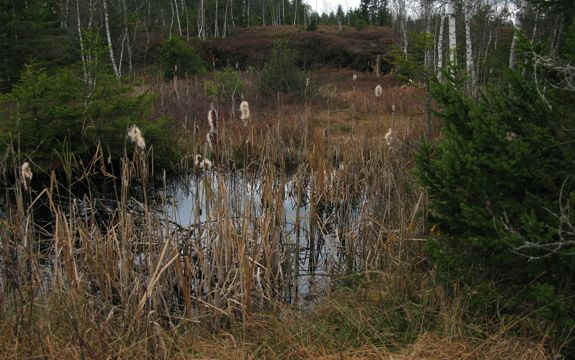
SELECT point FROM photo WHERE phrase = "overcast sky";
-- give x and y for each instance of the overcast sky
(322, 6)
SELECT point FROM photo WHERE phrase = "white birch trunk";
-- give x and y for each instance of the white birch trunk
(440, 47)
(516, 29)
(428, 51)
(178, 17)
(109, 38)
(201, 21)
(403, 27)
(468, 12)
(452, 32)
(82, 51)
(295, 12)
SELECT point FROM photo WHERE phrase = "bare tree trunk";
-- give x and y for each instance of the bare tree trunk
(403, 27)
(126, 41)
(516, 29)
(452, 32)
(216, 30)
(470, 67)
(428, 19)
(535, 22)
(201, 21)
(109, 38)
(440, 47)
(171, 18)
(295, 12)
(187, 17)
(232, 14)
(557, 35)
(82, 50)
(225, 29)
(91, 14)
(178, 17)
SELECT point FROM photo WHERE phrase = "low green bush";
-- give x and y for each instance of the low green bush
(225, 84)
(179, 58)
(55, 113)
(281, 73)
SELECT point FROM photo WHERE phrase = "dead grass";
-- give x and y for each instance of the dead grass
(137, 286)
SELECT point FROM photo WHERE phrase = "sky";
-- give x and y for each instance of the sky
(328, 5)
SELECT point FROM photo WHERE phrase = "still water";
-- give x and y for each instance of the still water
(309, 239)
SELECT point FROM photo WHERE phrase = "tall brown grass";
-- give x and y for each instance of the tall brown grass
(122, 279)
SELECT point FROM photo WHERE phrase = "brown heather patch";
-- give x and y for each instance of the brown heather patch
(327, 45)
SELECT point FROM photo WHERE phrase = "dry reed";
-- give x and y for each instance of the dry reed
(126, 278)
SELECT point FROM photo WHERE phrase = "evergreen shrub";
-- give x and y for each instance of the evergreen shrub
(281, 73)
(51, 113)
(179, 58)
(501, 187)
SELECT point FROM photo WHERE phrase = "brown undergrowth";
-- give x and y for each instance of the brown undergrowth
(118, 279)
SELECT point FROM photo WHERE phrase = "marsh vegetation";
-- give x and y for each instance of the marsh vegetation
(289, 192)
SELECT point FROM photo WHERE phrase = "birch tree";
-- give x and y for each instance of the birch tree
(452, 31)
(516, 29)
(468, 10)
(109, 38)
(402, 19)
(442, 20)
(201, 21)
(81, 38)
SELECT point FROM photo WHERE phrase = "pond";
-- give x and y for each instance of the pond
(287, 228)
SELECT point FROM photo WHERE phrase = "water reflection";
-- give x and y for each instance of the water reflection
(308, 238)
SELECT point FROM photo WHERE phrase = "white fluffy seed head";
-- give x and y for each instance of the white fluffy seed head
(26, 173)
(354, 77)
(201, 163)
(136, 137)
(197, 160)
(389, 138)
(206, 164)
(212, 118)
(245, 111)
(378, 91)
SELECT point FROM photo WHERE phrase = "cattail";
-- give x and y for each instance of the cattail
(201, 163)
(212, 118)
(389, 138)
(206, 164)
(354, 77)
(136, 137)
(197, 160)
(245, 112)
(378, 91)
(26, 173)
(392, 108)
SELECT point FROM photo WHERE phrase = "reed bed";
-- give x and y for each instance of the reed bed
(123, 277)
